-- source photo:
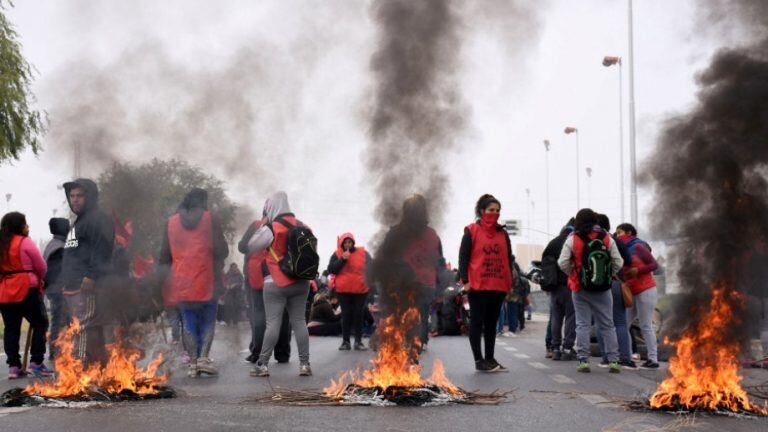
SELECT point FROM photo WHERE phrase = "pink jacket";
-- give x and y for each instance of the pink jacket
(31, 259)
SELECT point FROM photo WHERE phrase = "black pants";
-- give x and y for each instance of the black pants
(484, 309)
(563, 322)
(259, 326)
(33, 310)
(352, 313)
(325, 329)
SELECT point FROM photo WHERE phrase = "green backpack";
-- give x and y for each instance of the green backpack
(596, 268)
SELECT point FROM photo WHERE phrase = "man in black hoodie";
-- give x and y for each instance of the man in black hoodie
(53, 255)
(86, 261)
(563, 317)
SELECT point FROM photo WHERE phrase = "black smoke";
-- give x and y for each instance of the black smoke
(709, 173)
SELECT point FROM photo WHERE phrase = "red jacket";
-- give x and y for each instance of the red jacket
(14, 280)
(489, 261)
(351, 278)
(278, 249)
(643, 261)
(255, 264)
(574, 281)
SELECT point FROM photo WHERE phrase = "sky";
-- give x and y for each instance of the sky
(310, 85)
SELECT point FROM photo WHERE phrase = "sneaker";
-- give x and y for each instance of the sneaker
(628, 364)
(281, 360)
(39, 370)
(550, 354)
(345, 346)
(649, 365)
(185, 359)
(359, 346)
(483, 366)
(614, 368)
(15, 372)
(205, 366)
(604, 363)
(510, 335)
(583, 366)
(305, 370)
(497, 366)
(569, 355)
(192, 371)
(557, 355)
(259, 370)
(251, 358)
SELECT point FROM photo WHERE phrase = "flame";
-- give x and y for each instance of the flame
(704, 373)
(120, 372)
(394, 365)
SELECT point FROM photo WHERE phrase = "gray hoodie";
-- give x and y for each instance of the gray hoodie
(275, 206)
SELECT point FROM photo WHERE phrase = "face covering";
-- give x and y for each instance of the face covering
(490, 219)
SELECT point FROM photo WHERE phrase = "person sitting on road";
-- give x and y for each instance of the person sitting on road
(591, 258)
(485, 266)
(325, 319)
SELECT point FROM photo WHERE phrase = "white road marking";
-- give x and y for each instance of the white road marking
(538, 365)
(562, 379)
(510, 349)
(5, 411)
(597, 400)
(522, 356)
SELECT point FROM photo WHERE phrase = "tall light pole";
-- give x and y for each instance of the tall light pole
(589, 187)
(572, 130)
(8, 202)
(632, 162)
(609, 61)
(546, 182)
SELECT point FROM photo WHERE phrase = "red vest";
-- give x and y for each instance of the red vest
(643, 281)
(254, 269)
(574, 283)
(14, 285)
(422, 256)
(278, 250)
(489, 261)
(351, 278)
(191, 278)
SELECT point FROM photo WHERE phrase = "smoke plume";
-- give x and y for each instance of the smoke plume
(709, 174)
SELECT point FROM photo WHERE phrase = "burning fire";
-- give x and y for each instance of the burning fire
(118, 375)
(394, 365)
(704, 373)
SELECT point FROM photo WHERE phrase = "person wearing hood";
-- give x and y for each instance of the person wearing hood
(53, 255)
(350, 263)
(86, 262)
(194, 250)
(255, 268)
(486, 268)
(563, 317)
(280, 290)
(22, 270)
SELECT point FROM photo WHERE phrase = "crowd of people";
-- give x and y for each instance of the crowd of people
(591, 276)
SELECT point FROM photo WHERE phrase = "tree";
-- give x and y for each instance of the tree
(148, 194)
(20, 125)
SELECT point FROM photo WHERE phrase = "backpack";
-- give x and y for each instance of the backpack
(550, 273)
(596, 268)
(301, 260)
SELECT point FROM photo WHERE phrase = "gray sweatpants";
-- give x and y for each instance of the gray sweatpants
(643, 306)
(600, 306)
(276, 300)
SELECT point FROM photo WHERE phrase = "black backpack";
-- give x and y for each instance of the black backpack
(550, 273)
(596, 268)
(301, 260)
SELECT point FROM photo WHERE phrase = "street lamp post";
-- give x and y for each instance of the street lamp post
(546, 182)
(609, 61)
(632, 161)
(589, 187)
(572, 130)
(8, 202)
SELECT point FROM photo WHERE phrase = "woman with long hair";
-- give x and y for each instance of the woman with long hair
(22, 269)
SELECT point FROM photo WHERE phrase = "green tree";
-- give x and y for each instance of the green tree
(21, 126)
(148, 194)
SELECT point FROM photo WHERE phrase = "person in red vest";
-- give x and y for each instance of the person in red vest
(280, 290)
(591, 302)
(22, 269)
(349, 264)
(194, 250)
(255, 268)
(486, 269)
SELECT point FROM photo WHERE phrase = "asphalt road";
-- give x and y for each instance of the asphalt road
(548, 396)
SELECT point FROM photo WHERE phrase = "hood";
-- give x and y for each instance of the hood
(59, 226)
(193, 207)
(91, 192)
(340, 241)
(276, 205)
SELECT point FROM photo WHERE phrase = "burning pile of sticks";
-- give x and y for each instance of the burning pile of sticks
(17, 397)
(355, 395)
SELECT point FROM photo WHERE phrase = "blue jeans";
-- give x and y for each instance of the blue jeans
(509, 314)
(620, 322)
(199, 324)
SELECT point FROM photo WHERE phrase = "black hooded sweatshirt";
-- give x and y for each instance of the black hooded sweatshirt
(90, 241)
(54, 253)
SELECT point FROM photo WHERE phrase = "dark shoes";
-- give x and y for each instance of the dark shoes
(649, 365)
(628, 364)
(483, 366)
(557, 355)
(359, 346)
(497, 366)
(569, 355)
(251, 358)
(345, 346)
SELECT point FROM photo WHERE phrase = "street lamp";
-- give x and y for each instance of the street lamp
(546, 182)
(632, 162)
(589, 187)
(609, 61)
(572, 130)
(8, 202)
